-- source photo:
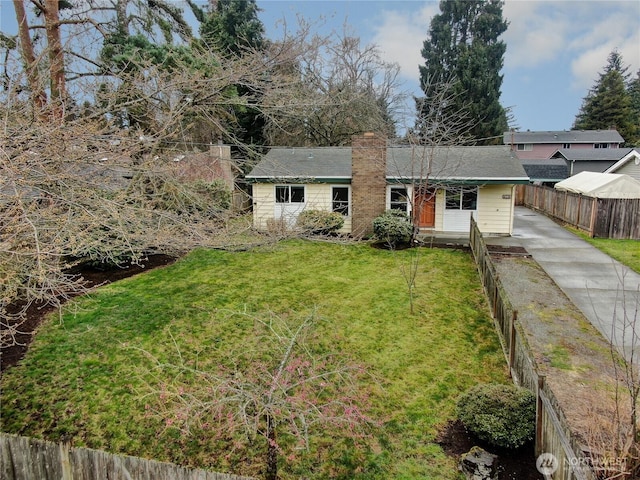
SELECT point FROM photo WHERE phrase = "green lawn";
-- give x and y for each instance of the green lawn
(626, 252)
(83, 380)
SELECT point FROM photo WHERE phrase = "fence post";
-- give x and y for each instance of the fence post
(594, 212)
(512, 339)
(65, 462)
(539, 411)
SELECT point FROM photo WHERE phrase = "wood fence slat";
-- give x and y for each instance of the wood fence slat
(28, 459)
(599, 217)
(6, 464)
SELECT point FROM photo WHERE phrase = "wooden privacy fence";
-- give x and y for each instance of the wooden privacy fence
(599, 217)
(24, 458)
(553, 434)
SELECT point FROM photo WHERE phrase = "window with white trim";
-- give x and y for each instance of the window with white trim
(340, 200)
(289, 193)
(399, 199)
(525, 147)
(461, 198)
(601, 145)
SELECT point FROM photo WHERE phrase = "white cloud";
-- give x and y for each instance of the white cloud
(579, 34)
(400, 35)
(586, 67)
(615, 30)
(536, 33)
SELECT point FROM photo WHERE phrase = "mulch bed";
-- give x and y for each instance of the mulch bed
(518, 464)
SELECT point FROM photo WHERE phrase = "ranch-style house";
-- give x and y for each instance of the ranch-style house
(439, 187)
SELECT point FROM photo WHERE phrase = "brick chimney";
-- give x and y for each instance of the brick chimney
(368, 181)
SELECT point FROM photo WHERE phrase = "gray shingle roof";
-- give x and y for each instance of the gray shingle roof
(591, 154)
(320, 162)
(553, 170)
(564, 136)
(481, 164)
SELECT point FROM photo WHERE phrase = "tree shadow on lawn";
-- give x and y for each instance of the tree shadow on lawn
(37, 312)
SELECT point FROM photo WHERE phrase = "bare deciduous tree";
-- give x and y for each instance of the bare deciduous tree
(283, 391)
(625, 439)
(88, 187)
(341, 89)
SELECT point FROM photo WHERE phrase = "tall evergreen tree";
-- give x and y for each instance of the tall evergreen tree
(609, 104)
(231, 27)
(463, 50)
(634, 93)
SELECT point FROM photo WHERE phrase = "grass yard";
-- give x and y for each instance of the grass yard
(626, 252)
(86, 379)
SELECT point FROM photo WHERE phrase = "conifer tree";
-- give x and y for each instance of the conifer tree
(464, 50)
(609, 102)
(232, 27)
(634, 93)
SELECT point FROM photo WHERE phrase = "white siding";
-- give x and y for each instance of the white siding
(440, 203)
(495, 206)
(317, 197)
(495, 209)
(263, 204)
(630, 168)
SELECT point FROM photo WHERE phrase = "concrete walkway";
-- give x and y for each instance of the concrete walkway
(607, 292)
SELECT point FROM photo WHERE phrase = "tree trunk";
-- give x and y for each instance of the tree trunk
(56, 57)
(272, 451)
(38, 96)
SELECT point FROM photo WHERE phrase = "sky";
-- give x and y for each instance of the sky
(555, 49)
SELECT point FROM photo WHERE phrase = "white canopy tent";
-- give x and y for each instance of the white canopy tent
(601, 185)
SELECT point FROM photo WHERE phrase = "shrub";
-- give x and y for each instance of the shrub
(161, 191)
(393, 227)
(320, 222)
(502, 415)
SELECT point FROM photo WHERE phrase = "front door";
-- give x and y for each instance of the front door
(425, 207)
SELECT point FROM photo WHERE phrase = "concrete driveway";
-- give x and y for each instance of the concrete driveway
(607, 292)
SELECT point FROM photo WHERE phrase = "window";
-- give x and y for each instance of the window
(566, 145)
(461, 198)
(340, 200)
(525, 147)
(289, 194)
(601, 145)
(399, 199)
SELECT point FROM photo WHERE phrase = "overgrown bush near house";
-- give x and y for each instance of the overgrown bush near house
(216, 193)
(160, 191)
(320, 222)
(502, 415)
(114, 244)
(393, 227)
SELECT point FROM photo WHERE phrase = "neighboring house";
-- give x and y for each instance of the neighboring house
(629, 164)
(546, 172)
(216, 164)
(597, 160)
(541, 145)
(439, 187)
(112, 171)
